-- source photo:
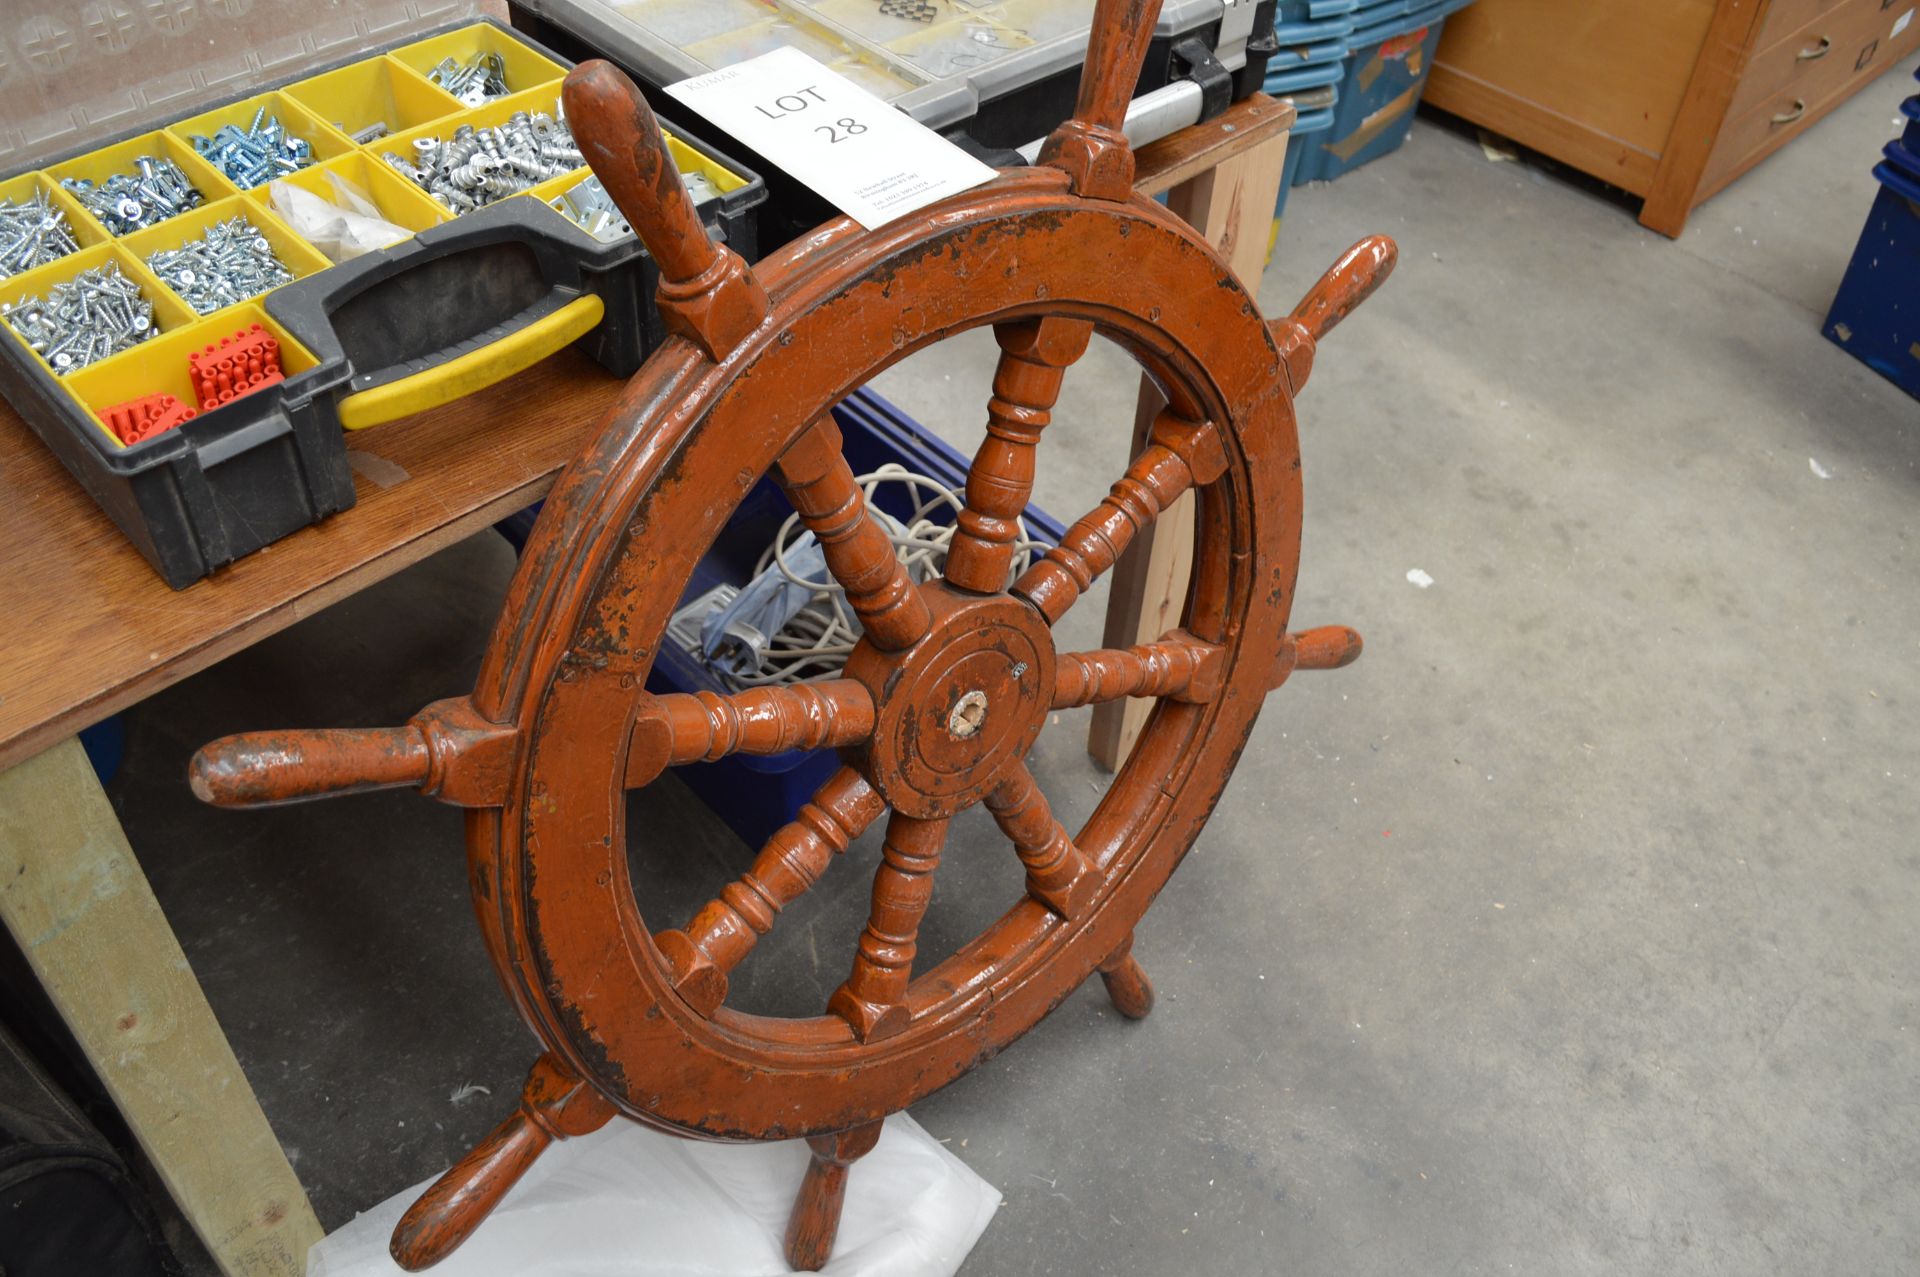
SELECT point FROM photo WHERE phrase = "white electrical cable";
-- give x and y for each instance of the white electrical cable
(816, 642)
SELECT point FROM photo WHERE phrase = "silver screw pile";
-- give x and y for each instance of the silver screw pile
(33, 232)
(126, 202)
(97, 313)
(230, 262)
(589, 205)
(480, 79)
(478, 166)
(259, 153)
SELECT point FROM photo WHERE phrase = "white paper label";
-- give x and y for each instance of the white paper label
(871, 161)
(1900, 23)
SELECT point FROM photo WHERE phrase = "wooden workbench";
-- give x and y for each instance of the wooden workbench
(89, 629)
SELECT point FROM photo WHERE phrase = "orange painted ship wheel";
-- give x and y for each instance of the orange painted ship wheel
(946, 692)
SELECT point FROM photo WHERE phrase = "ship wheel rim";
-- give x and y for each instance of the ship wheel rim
(686, 399)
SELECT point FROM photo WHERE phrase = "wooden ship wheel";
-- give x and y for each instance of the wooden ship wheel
(946, 692)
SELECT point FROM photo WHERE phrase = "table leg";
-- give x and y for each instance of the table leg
(1232, 205)
(83, 913)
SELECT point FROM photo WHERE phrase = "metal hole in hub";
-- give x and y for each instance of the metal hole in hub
(968, 714)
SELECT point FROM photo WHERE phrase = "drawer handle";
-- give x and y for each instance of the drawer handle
(1813, 53)
(1798, 109)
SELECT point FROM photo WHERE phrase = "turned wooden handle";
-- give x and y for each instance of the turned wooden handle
(555, 1104)
(617, 133)
(1122, 29)
(1328, 647)
(264, 769)
(447, 1213)
(815, 1221)
(1350, 281)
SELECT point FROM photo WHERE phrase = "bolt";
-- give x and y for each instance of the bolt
(127, 202)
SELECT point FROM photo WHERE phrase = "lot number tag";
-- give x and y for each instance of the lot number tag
(871, 161)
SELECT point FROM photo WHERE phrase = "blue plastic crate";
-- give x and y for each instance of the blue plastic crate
(1876, 314)
(1313, 10)
(1310, 121)
(1911, 109)
(1383, 76)
(1284, 84)
(1314, 34)
(756, 794)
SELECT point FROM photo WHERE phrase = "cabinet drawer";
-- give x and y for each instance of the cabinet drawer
(1784, 17)
(1812, 92)
(1824, 53)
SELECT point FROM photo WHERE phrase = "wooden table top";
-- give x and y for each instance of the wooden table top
(88, 628)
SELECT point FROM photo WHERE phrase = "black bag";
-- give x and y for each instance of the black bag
(68, 1207)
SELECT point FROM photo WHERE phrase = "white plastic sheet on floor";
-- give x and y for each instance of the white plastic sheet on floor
(630, 1202)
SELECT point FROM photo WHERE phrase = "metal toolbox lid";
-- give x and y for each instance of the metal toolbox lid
(937, 60)
(75, 73)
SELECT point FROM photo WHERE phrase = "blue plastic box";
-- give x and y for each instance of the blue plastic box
(1389, 56)
(1876, 314)
(1308, 125)
(1307, 69)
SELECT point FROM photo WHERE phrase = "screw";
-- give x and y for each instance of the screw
(127, 202)
(33, 232)
(97, 313)
(263, 150)
(230, 262)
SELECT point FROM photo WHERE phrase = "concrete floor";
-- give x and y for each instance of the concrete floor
(1571, 931)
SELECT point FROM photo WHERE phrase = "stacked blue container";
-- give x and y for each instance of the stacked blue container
(1383, 72)
(1307, 71)
(1876, 315)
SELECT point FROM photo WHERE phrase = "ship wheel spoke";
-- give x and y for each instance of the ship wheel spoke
(702, 954)
(706, 726)
(1180, 454)
(1034, 357)
(873, 1000)
(1179, 666)
(821, 486)
(1058, 875)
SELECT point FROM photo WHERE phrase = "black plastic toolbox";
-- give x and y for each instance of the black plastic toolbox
(465, 301)
(1013, 77)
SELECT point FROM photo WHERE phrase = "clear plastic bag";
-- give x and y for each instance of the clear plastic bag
(630, 1202)
(343, 228)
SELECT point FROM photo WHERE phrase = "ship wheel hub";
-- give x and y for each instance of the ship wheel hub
(952, 710)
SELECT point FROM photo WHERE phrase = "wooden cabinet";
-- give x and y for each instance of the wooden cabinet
(1668, 99)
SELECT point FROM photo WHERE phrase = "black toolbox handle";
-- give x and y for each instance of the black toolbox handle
(463, 359)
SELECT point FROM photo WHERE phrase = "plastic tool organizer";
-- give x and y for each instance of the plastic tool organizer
(993, 75)
(463, 303)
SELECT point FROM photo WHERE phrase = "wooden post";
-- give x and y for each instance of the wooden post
(1232, 205)
(81, 910)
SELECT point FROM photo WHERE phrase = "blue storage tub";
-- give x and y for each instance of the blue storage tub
(756, 794)
(1876, 314)
(1316, 111)
(1385, 71)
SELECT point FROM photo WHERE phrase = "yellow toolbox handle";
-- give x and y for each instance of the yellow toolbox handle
(475, 370)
